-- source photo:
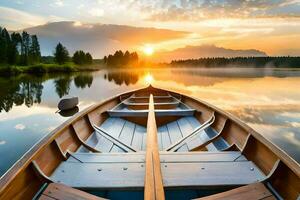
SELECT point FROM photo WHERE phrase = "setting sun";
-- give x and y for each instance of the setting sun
(148, 50)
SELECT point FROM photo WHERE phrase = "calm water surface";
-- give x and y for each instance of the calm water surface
(266, 99)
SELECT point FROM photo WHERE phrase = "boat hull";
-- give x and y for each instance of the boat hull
(37, 166)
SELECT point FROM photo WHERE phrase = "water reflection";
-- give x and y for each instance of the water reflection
(28, 89)
(69, 113)
(20, 90)
(120, 77)
(269, 101)
(62, 86)
(83, 81)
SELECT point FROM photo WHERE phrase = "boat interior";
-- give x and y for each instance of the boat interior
(153, 144)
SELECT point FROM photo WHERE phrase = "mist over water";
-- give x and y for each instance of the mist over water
(266, 99)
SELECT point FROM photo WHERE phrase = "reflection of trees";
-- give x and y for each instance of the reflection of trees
(62, 85)
(27, 89)
(122, 77)
(83, 81)
(16, 91)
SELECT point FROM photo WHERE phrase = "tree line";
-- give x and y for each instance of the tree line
(24, 49)
(283, 61)
(61, 56)
(19, 48)
(121, 59)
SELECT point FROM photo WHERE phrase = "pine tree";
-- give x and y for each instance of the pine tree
(88, 58)
(25, 45)
(81, 58)
(34, 50)
(61, 54)
(16, 40)
(4, 45)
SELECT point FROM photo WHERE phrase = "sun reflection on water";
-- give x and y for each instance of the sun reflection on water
(148, 79)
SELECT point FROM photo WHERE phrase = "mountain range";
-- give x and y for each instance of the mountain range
(103, 39)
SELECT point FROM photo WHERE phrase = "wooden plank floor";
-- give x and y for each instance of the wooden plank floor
(174, 131)
(135, 135)
(126, 131)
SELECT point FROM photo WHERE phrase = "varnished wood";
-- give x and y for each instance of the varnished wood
(83, 143)
(153, 179)
(26, 184)
(256, 191)
(67, 140)
(21, 181)
(49, 158)
(235, 134)
(285, 182)
(83, 128)
(261, 155)
(58, 191)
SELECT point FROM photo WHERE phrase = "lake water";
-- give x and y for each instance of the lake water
(266, 99)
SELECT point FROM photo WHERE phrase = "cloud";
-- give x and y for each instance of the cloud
(20, 127)
(16, 18)
(96, 12)
(200, 10)
(100, 39)
(59, 3)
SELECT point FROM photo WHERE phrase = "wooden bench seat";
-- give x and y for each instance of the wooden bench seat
(144, 113)
(165, 157)
(255, 191)
(194, 169)
(56, 191)
(102, 175)
(210, 174)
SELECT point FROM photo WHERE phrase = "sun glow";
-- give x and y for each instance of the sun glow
(148, 79)
(148, 50)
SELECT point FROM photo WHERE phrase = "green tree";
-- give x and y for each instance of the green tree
(81, 58)
(4, 45)
(16, 40)
(61, 54)
(88, 58)
(34, 50)
(25, 45)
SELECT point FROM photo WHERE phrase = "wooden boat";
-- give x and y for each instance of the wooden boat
(68, 103)
(153, 144)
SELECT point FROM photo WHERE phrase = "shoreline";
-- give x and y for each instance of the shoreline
(47, 68)
(13, 70)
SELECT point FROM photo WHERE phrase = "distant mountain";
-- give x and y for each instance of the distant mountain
(193, 52)
(99, 39)
(102, 39)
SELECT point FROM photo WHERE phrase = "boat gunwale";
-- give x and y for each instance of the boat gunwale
(282, 155)
(23, 162)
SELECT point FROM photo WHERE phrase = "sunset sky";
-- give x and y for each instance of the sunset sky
(272, 26)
